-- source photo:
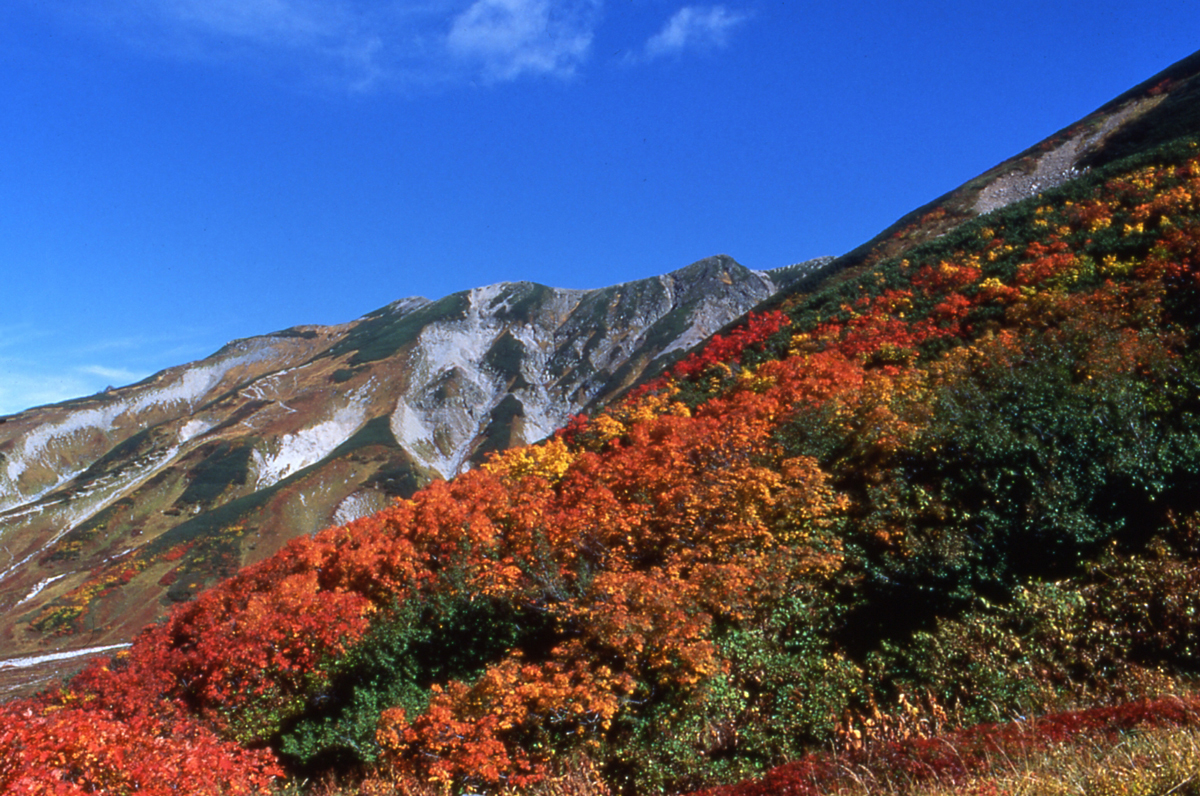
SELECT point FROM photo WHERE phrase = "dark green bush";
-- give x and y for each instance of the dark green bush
(453, 637)
(783, 687)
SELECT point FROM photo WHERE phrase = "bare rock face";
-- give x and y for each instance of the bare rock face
(113, 506)
(1062, 159)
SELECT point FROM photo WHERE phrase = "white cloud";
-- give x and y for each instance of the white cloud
(354, 44)
(116, 376)
(513, 37)
(25, 384)
(340, 43)
(20, 335)
(694, 27)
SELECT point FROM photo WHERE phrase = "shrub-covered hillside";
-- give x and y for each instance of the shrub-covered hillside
(958, 487)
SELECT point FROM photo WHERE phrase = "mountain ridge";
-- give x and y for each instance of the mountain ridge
(1154, 111)
(416, 390)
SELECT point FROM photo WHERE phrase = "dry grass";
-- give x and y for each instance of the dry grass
(1140, 748)
(1162, 762)
(578, 779)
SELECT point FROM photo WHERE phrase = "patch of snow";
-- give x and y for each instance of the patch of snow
(1056, 166)
(541, 424)
(356, 505)
(35, 660)
(86, 503)
(193, 429)
(293, 452)
(28, 502)
(36, 590)
(271, 386)
(705, 321)
(190, 385)
(40, 437)
(437, 432)
(115, 556)
(193, 384)
(406, 425)
(409, 427)
(406, 305)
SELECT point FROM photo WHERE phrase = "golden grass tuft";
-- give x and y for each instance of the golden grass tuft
(1159, 762)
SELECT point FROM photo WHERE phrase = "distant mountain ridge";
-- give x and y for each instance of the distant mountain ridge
(286, 433)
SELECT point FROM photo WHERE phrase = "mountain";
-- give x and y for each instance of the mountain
(113, 506)
(1158, 110)
(926, 522)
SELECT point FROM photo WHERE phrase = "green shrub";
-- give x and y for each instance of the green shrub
(783, 687)
(447, 638)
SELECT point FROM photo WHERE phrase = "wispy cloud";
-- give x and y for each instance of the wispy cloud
(20, 335)
(694, 28)
(52, 369)
(276, 22)
(344, 42)
(513, 37)
(357, 44)
(24, 385)
(374, 44)
(113, 375)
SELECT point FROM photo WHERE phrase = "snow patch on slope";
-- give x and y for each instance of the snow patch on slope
(294, 452)
(546, 408)
(359, 504)
(66, 513)
(36, 590)
(451, 392)
(22, 506)
(711, 314)
(1057, 166)
(192, 429)
(40, 444)
(35, 660)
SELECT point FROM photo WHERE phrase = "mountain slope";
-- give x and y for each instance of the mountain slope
(937, 490)
(1158, 110)
(113, 506)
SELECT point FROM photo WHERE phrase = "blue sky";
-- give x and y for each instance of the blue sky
(178, 173)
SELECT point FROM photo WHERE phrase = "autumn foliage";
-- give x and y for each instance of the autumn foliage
(928, 488)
